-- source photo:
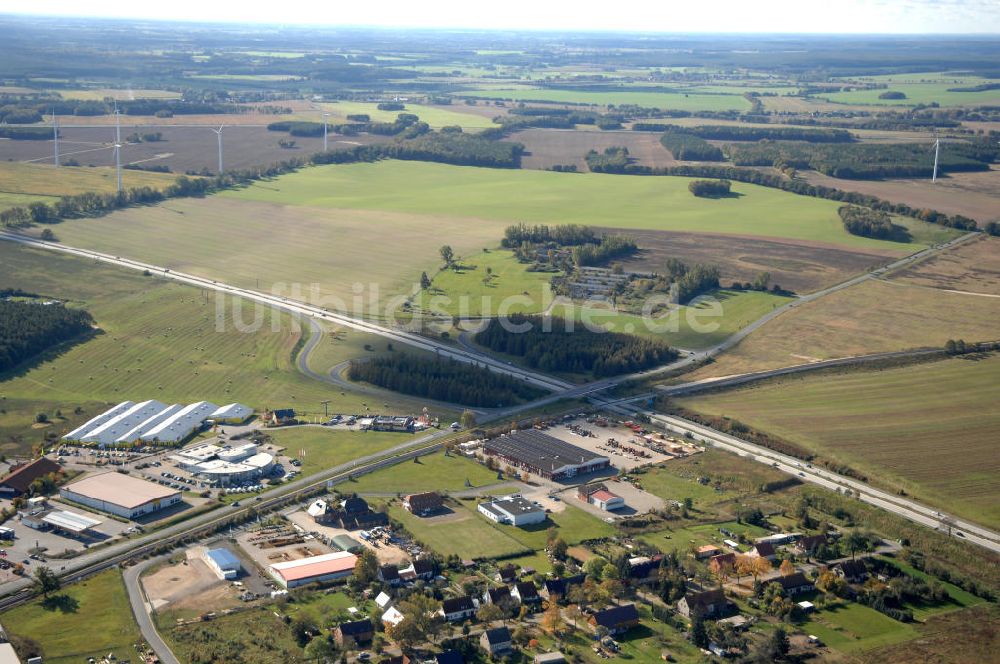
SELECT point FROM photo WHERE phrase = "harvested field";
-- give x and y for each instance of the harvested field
(872, 317)
(972, 267)
(549, 147)
(937, 443)
(972, 635)
(799, 267)
(182, 148)
(23, 183)
(975, 195)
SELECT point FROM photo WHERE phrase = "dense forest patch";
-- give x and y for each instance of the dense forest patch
(27, 329)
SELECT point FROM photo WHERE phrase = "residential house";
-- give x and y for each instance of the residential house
(644, 569)
(392, 617)
(506, 574)
(556, 589)
(763, 550)
(616, 619)
(808, 545)
(421, 568)
(449, 657)
(495, 641)
(282, 416)
(389, 574)
(396, 659)
(706, 551)
(707, 603)
(355, 514)
(526, 593)
(722, 561)
(354, 634)
(499, 596)
(458, 608)
(423, 504)
(793, 584)
(852, 571)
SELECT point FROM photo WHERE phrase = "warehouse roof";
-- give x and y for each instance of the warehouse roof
(98, 420)
(328, 563)
(515, 505)
(540, 450)
(181, 423)
(232, 410)
(120, 489)
(224, 558)
(71, 521)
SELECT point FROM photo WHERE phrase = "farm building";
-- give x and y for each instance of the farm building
(120, 494)
(599, 496)
(422, 503)
(514, 510)
(20, 478)
(541, 454)
(222, 561)
(234, 413)
(327, 567)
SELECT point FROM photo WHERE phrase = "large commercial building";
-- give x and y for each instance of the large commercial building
(514, 510)
(151, 421)
(543, 455)
(120, 494)
(327, 567)
(224, 465)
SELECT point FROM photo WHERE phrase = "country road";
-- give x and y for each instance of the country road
(141, 609)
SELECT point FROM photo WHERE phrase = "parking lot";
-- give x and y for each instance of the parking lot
(625, 447)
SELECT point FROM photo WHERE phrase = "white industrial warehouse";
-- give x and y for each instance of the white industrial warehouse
(224, 465)
(120, 494)
(154, 422)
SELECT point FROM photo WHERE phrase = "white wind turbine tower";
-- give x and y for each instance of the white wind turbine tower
(118, 148)
(325, 116)
(218, 132)
(937, 150)
(55, 138)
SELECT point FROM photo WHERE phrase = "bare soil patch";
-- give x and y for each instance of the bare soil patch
(972, 266)
(180, 583)
(799, 267)
(975, 195)
(549, 147)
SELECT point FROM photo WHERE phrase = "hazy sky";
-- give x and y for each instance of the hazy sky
(830, 16)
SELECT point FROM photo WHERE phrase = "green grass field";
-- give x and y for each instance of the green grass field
(97, 620)
(435, 472)
(249, 636)
(326, 447)
(435, 116)
(157, 340)
(665, 100)
(925, 428)
(851, 627)
(920, 88)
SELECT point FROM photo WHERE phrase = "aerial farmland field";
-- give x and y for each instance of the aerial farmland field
(24, 183)
(667, 100)
(924, 427)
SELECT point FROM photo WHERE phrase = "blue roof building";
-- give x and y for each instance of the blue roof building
(224, 563)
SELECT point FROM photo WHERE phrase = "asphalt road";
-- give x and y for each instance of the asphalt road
(141, 610)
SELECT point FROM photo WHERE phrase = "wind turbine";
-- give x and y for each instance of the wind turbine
(118, 148)
(55, 138)
(937, 150)
(325, 116)
(218, 132)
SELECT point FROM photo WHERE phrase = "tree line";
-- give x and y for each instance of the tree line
(710, 188)
(565, 236)
(747, 133)
(547, 345)
(686, 146)
(867, 222)
(442, 380)
(865, 161)
(608, 248)
(28, 328)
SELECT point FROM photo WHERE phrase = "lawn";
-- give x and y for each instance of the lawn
(435, 472)
(94, 619)
(923, 427)
(41, 181)
(325, 447)
(665, 100)
(850, 627)
(157, 340)
(960, 599)
(871, 317)
(466, 533)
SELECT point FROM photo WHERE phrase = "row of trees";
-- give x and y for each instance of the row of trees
(686, 146)
(565, 236)
(27, 329)
(609, 248)
(865, 161)
(755, 133)
(443, 380)
(552, 347)
(867, 222)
